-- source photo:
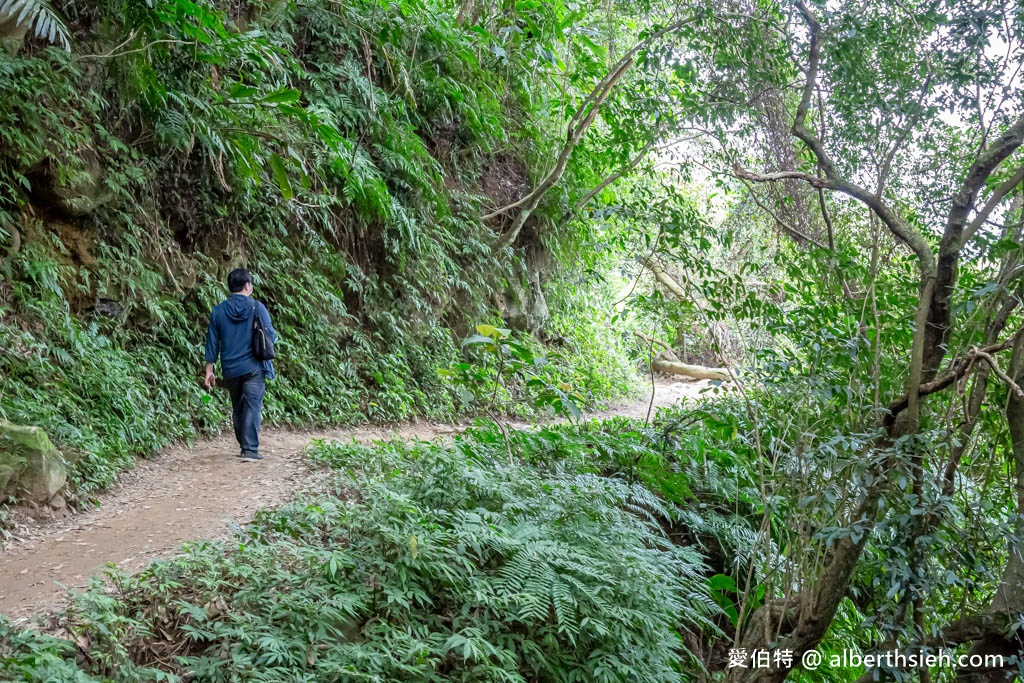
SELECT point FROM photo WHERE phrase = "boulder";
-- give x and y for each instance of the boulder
(31, 468)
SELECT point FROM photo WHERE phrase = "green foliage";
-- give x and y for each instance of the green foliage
(40, 16)
(424, 562)
(498, 363)
(27, 655)
(589, 337)
(109, 401)
(337, 152)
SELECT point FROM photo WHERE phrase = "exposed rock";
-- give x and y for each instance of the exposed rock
(78, 193)
(107, 307)
(524, 308)
(505, 180)
(523, 305)
(31, 468)
(12, 33)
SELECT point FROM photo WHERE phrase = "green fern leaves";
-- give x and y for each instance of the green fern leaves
(40, 16)
(435, 562)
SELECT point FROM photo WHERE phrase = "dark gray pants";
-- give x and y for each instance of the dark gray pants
(246, 406)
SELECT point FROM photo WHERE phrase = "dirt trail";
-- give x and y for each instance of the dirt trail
(188, 494)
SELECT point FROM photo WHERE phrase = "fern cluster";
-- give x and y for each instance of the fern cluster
(37, 15)
(337, 151)
(420, 562)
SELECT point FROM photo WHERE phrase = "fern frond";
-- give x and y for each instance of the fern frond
(41, 17)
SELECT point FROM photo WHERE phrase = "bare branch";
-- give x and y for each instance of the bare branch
(578, 126)
(963, 203)
(785, 226)
(837, 182)
(993, 201)
(664, 278)
(972, 409)
(576, 130)
(958, 368)
(114, 52)
(585, 199)
(827, 218)
(890, 218)
(633, 163)
(813, 61)
(755, 177)
(954, 236)
(968, 628)
(579, 122)
(652, 340)
(999, 373)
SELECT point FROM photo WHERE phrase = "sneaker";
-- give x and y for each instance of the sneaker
(251, 456)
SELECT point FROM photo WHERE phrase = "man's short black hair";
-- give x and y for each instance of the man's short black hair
(238, 279)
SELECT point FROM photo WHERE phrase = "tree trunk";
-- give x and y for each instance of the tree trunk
(792, 198)
(1008, 603)
(664, 278)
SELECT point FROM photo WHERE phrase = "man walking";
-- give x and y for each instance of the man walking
(229, 336)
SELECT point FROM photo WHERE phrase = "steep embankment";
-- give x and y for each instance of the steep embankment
(345, 155)
(189, 494)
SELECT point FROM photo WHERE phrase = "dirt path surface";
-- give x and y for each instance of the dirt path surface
(189, 494)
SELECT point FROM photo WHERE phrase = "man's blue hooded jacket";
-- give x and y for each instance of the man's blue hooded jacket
(230, 336)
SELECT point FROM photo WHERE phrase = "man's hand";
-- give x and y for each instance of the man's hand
(211, 380)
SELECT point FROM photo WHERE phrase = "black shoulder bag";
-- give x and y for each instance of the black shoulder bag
(262, 344)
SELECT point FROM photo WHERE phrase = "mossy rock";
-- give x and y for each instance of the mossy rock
(31, 468)
(72, 190)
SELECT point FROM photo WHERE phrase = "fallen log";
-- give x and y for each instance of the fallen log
(695, 371)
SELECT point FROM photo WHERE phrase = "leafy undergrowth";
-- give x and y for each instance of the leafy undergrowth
(342, 154)
(554, 556)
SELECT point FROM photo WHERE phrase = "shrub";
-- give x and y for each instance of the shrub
(423, 562)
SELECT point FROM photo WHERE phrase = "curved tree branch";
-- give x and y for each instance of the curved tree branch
(633, 163)
(958, 368)
(993, 201)
(836, 181)
(795, 232)
(578, 126)
(664, 278)
(890, 218)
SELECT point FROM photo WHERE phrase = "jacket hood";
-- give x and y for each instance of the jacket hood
(239, 308)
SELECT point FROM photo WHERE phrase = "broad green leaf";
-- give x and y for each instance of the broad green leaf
(477, 339)
(283, 96)
(241, 91)
(281, 176)
(493, 332)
